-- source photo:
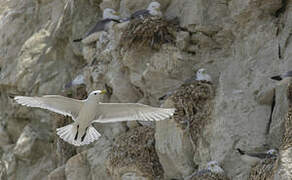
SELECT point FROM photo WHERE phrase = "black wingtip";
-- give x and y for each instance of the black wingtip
(162, 98)
(77, 40)
(115, 20)
(240, 151)
(76, 136)
(277, 78)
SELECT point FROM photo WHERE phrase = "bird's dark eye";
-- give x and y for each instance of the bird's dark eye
(95, 93)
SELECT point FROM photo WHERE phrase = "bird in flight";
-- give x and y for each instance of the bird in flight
(92, 110)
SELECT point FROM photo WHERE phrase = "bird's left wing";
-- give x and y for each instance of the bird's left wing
(55, 103)
(140, 13)
(116, 112)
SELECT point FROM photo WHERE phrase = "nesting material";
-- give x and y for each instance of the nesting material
(149, 32)
(136, 148)
(263, 170)
(210, 176)
(193, 103)
(287, 139)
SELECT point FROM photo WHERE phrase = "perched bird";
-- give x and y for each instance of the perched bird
(214, 167)
(213, 171)
(91, 110)
(203, 76)
(282, 76)
(153, 9)
(77, 81)
(254, 158)
(109, 15)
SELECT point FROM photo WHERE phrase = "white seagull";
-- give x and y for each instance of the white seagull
(252, 158)
(109, 15)
(212, 168)
(282, 76)
(91, 110)
(77, 81)
(203, 76)
(153, 9)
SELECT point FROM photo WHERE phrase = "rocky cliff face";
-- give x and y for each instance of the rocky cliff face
(240, 43)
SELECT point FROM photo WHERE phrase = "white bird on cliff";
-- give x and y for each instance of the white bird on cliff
(203, 76)
(212, 168)
(78, 80)
(109, 15)
(153, 9)
(252, 158)
(91, 110)
(283, 78)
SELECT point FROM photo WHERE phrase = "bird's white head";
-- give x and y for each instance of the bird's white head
(154, 9)
(96, 95)
(203, 76)
(202, 71)
(111, 14)
(214, 167)
(272, 152)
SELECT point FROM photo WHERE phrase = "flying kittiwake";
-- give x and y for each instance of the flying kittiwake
(91, 110)
(109, 15)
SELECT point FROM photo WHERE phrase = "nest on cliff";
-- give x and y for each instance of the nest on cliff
(148, 32)
(264, 170)
(210, 176)
(137, 148)
(193, 103)
(65, 150)
(287, 139)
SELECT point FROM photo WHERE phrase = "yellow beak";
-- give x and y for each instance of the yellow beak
(103, 92)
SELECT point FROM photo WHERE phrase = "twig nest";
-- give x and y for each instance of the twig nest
(150, 32)
(135, 150)
(287, 139)
(210, 176)
(263, 170)
(194, 105)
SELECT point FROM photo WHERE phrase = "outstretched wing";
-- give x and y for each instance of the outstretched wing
(55, 103)
(116, 112)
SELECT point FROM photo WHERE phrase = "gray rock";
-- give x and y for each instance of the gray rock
(97, 158)
(76, 167)
(174, 148)
(57, 174)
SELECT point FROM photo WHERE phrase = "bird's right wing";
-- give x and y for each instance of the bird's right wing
(55, 103)
(99, 26)
(117, 112)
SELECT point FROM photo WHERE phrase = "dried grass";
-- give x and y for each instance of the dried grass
(287, 139)
(193, 103)
(137, 147)
(210, 176)
(263, 170)
(149, 32)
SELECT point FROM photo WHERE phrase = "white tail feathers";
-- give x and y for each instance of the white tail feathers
(68, 133)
